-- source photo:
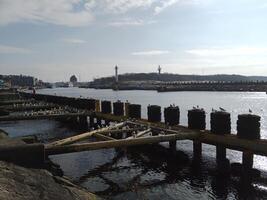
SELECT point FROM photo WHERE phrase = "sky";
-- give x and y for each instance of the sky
(52, 40)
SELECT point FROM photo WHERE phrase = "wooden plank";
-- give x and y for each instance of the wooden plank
(53, 150)
(230, 141)
(82, 136)
(103, 137)
(140, 134)
(39, 117)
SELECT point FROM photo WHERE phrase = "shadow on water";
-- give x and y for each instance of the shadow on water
(144, 171)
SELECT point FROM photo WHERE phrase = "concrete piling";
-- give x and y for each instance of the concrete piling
(197, 120)
(248, 127)
(154, 113)
(134, 111)
(118, 108)
(172, 118)
(220, 122)
(106, 107)
(172, 115)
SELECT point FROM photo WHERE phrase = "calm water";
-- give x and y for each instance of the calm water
(151, 172)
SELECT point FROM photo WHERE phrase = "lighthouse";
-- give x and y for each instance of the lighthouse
(159, 69)
(116, 74)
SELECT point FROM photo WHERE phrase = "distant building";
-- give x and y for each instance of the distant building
(20, 80)
(73, 79)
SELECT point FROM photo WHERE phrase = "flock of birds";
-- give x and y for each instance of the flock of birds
(53, 111)
(35, 104)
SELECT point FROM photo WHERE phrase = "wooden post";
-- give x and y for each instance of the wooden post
(196, 120)
(248, 127)
(220, 122)
(97, 105)
(172, 146)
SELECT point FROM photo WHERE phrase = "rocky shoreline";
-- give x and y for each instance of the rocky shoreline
(47, 182)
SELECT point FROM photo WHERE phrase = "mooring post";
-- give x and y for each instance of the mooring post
(248, 127)
(118, 108)
(97, 105)
(172, 118)
(83, 121)
(126, 105)
(106, 107)
(220, 123)
(197, 120)
(91, 104)
(134, 111)
(154, 115)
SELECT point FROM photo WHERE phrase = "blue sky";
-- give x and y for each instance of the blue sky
(55, 39)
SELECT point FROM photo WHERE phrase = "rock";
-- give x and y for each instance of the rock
(19, 183)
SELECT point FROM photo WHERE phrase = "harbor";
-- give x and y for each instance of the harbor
(119, 125)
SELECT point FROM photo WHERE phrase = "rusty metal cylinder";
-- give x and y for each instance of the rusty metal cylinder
(172, 115)
(197, 119)
(118, 108)
(248, 126)
(220, 122)
(134, 111)
(106, 107)
(154, 113)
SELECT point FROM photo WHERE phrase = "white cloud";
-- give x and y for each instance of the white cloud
(73, 40)
(150, 53)
(164, 4)
(60, 12)
(231, 51)
(122, 6)
(130, 22)
(13, 50)
(74, 13)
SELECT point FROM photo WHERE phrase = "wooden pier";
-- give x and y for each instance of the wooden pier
(122, 126)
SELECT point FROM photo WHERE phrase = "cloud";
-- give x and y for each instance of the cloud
(75, 13)
(122, 6)
(13, 50)
(60, 12)
(73, 40)
(164, 4)
(150, 53)
(231, 51)
(130, 22)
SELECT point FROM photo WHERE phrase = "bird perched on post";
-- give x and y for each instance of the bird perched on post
(222, 109)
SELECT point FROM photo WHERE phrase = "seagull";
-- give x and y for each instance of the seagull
(222, 109)
(249, 110)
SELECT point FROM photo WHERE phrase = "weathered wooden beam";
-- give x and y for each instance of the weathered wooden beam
(140, 134)
(53, 150)
(103, 137)
(28, 107)
(120, 131)
(82, 136)
(230, 141)
(233, 142)
(10, 102)
(38, 117)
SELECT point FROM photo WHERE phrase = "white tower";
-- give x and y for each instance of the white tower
(116, 74)
(159, 69)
